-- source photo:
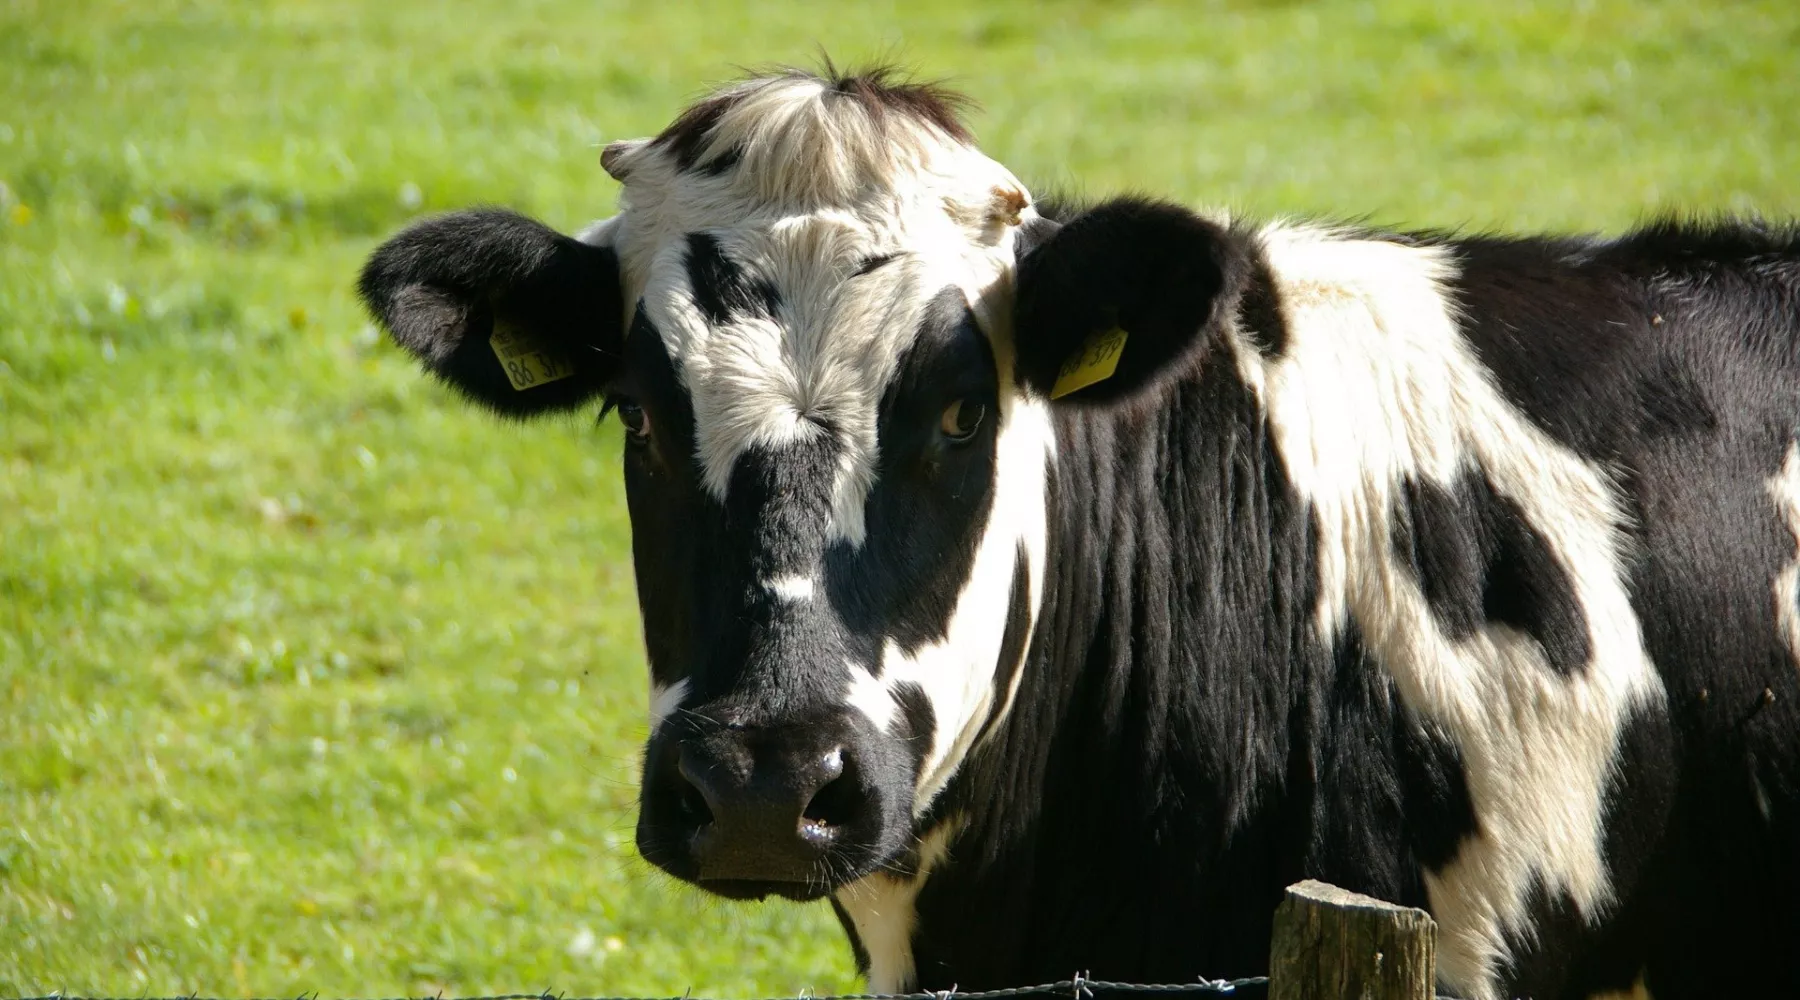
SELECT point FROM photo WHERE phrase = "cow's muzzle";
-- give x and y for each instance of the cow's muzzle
(744, 810)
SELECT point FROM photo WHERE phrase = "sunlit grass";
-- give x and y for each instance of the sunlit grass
(312, 679)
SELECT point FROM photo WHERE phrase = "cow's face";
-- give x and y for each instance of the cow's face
(834, 501)
(835, 459)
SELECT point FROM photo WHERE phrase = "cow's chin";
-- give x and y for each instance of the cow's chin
(842, 871)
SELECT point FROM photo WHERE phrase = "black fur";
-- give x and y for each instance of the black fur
(1479, 560)
(722, 289)
(1156, 270)
(441, 286)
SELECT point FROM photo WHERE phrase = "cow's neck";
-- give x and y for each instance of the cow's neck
(1149, 735)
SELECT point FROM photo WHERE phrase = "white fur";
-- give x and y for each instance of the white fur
(1784, 487)
(666, 701)
(822, 186)
(881, 908)
(957, 673)
(1377, 385)
(793, 589)
(870, 696)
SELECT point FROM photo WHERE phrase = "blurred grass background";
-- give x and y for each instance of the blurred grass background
(313, 679)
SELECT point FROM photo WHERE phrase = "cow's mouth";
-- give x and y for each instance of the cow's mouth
(759, 889)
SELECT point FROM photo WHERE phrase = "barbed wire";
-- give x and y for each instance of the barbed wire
(1079, 987)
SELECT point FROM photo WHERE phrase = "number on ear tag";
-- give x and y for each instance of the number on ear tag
(526, 361)
(1098, 359)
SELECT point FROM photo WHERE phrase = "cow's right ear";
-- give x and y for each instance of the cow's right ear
(1122, 298)
(512, 313)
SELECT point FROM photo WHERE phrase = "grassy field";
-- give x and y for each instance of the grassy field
(312, 679)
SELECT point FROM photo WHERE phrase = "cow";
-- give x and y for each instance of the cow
(1048, 587)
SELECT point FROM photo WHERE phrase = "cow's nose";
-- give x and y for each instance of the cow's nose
(763, 808)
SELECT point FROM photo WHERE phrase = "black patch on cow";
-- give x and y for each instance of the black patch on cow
(857, 950)
(677, 540)
(778, 501)
(1012, 641)
(928, 512)
(722, 288)
(723, 162)
(1259, 310)
(1478, 559)
(876, 262)
(686, 136)
(920, 720)
(1376, 795)
(1439, 813)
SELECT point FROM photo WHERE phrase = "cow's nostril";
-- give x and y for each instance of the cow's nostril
(833, 806)
(692, 804)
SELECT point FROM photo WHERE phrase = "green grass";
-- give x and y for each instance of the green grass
(313, 679)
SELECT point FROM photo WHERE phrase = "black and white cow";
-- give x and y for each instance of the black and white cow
(1461, 571)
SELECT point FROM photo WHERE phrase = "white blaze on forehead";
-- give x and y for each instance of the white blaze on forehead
(821, 186)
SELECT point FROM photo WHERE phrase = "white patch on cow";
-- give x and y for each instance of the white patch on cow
(957, 673)
(666, 701)
(1784, 486)
(1376, 385)
(790, 588)
(881, 908)
(822, 186)
(870, 696)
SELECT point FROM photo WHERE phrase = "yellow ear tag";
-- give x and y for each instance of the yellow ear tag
(526, 362)
(1098, 359)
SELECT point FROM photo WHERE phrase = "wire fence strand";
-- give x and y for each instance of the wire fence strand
(1078, 988)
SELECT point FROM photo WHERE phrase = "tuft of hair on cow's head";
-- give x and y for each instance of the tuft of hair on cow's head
(832, 328)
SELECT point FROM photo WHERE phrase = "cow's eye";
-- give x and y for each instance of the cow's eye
(961, 420)
(636, 421)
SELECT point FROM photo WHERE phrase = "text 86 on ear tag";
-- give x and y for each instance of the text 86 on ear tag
(525, 359)
(1096, 362)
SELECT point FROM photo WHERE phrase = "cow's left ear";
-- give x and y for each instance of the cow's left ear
(512, 313)
(1121, 298)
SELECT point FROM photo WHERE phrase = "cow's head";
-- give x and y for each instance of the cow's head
(837, 450)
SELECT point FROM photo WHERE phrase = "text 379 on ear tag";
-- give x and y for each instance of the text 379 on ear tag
(1098, 359)
(526, 362)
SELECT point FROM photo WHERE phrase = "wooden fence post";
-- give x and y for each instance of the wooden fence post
(1333, 944)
